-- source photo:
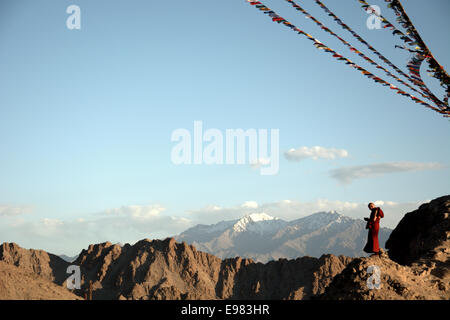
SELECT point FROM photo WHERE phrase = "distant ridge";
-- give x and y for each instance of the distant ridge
(261, 237)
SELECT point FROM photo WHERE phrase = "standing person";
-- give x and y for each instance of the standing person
(373, 224)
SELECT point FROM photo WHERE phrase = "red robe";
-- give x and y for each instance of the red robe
(372, 245)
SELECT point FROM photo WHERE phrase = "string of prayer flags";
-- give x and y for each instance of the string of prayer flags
(318, 44)
(361, 54)
(436, 69)
(423, 88)
(387, 24)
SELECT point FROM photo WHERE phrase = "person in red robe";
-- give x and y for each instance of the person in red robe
(373, 224)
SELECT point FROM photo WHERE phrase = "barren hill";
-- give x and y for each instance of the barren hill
(46, 265)
(164, 269)
(19, 284)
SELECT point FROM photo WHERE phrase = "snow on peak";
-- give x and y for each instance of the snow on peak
(257, 222)
(260, 217)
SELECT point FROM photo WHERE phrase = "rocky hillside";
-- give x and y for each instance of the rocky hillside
(20, 284)
(417, 267)
(46, 265)
(165, 269)
(418, 264)
(263, 238)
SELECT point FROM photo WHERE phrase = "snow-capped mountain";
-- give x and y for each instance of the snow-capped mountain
(263, 237)
(260, 223)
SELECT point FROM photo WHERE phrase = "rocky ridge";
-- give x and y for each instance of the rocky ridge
(416, 267)
(165, 269)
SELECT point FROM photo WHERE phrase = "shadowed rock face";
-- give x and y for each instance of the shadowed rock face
(168, 270)
(421, 232)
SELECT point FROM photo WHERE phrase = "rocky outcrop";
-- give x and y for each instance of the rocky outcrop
(17, 283)
(421, 233)
(165, 269)
(396, 282)
(46, 265)
(417, 267)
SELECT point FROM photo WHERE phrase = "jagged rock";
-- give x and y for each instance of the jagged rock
(421, 232)
(397, 282)
(40, 262)
(165, 269)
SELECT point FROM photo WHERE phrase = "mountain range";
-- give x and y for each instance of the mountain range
(416, 267)
(263, 238)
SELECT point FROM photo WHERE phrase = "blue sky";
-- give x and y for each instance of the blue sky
(86, 115)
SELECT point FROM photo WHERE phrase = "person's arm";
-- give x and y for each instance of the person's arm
(375, 216)
(372, 219)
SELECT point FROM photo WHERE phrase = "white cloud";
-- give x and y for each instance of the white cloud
(212, 214)
(133, 223)
(285, 209)
(135, 211)
(123, 224)
(52, 223)
(381, 203)
(250, 204)
(11, 210)
(294, 209)
(315, 153)
(346, 175)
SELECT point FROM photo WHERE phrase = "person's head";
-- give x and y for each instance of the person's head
(371, 205)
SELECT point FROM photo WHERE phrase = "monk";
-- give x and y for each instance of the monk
(373, 224)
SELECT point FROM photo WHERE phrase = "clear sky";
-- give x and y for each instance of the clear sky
(86, 117)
